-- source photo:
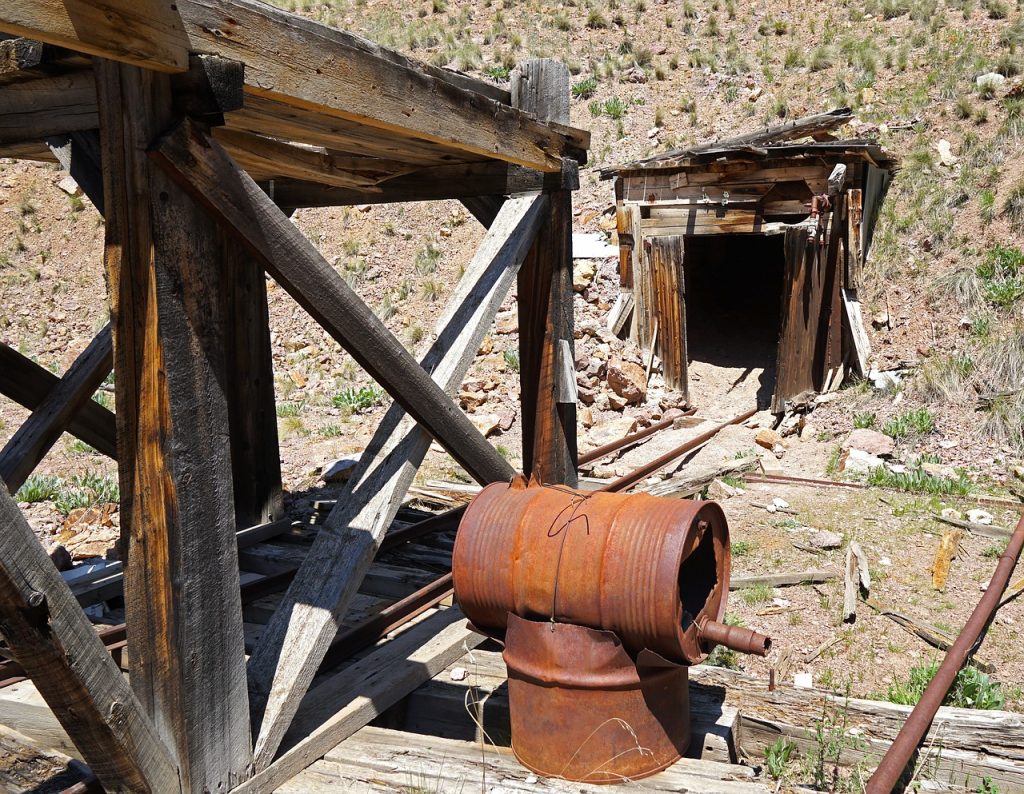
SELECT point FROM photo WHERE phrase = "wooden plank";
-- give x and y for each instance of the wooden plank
(182, 597)
(854, 252)
(381, 760)
(798, 332)
(861, 343)
(460, 180)
(252, 411)
(304, 63)
(24, 59)
(203, 167)
(30, 443)
(266, 158)
(55, 643)
(79, 154)
(28, 384)
(146, 33)
(289, 654)
(365, 689)
(35, 109)
(545, 295)
(667, 259)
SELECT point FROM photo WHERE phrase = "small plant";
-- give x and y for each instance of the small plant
(86, 490)
(360, 399)
(38, 488)
(498, 72)
(288, 409)
(758, 594)
(776, 757)
(1013, 208)
(431, 290)
(741, 548)
(596, 20)
(971, 690)
(427, 258)
(918, 421)
(1002, 275)
(864, 420)
(916, 480)
(585, 89)
(511, 357)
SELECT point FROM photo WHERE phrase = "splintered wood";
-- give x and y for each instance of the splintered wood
(944, 555)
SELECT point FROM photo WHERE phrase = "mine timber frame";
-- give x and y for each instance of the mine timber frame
(195, 129)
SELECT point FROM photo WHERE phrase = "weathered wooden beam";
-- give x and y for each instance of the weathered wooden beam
(182, 598)
(28, 384)
(30, 443)
(55, 643)
(36, 109)
(291, 648)
(460, 180)
(202, 166)
(267, 158)
(26, 59)
(303, 63)
(545, 293)
(344, 703)
(146, 33)
(484, 208)
(252, 416)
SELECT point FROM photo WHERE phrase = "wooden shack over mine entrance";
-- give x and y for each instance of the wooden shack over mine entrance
(748, 252)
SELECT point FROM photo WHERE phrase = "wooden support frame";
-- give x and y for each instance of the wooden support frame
(29, 384)
(202, 166)
(33, 439)
(161, 254)
(541, 87)
(305, 64)
(294, 643)
(54, 642)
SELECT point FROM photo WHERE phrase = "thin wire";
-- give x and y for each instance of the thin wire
(577, 500)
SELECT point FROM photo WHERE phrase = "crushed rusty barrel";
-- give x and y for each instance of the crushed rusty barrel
(602, 600)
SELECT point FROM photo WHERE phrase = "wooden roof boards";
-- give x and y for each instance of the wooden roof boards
(304, 83)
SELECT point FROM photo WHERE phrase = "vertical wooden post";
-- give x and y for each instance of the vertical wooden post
(182, 600)
(255, 455)
(541, 87)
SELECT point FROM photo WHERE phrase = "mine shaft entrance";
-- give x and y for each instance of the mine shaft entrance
(734, 294)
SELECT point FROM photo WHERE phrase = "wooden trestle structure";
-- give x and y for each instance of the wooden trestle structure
(196, 128)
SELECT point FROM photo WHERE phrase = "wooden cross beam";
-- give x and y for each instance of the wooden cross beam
(54, 642)
(298, 635)
(30, 443)
(302, 63)
(28, 384)
(201, 166)
(36, 109)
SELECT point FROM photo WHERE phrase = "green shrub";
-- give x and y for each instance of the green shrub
(511, 357)
(971, 690)
(1002, 275)
(38, 488)
(776, 757)
(584, 89)
(918, 421)
(358, 399)
(864, 420)
(916, 480)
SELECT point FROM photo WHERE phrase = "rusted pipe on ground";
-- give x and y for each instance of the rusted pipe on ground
(629, 480)
(625, 441)
(900, 752)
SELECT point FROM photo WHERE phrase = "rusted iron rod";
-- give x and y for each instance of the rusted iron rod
(912, 733)
(625, 441)
(629, 480)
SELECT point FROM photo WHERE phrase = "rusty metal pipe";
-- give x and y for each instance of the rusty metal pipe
(895, 761)
(735, 637)
(625, 441)
(629, 480)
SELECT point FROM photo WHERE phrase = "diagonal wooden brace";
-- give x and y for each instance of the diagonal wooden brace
(202, 167)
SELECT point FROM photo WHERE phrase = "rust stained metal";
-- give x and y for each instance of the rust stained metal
(894, 763)
(602, 600)
(583, 709)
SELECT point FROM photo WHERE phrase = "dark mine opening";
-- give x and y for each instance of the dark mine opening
(733, 303)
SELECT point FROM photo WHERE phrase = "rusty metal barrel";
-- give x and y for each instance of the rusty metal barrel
(650, 569)
(602, 600)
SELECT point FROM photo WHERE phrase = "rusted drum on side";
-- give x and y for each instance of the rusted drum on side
(648, 569)
(582, 709)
